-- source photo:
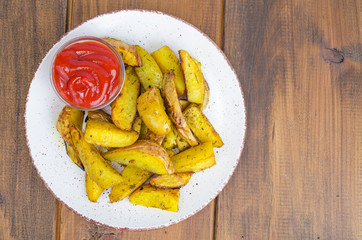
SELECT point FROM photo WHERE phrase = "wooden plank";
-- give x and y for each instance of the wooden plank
(206, 15)
(28, 30)
(300, 172)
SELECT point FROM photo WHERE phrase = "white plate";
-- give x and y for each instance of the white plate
(226, 111)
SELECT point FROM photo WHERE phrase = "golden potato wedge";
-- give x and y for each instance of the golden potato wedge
(170, 152)
(128, 52)
(154, 137)
(205, 101)
(108, 135)
(152, 111)
(170, 139)
(137, 125)
(174, 110)
(132, 178)
(201, 126)
(143, 131)
(68, 117)
(194, 159)
(175, 180)
(99, 115)
(181, 143)
(95, 166)
(149, 73)
(144, 154)
(184, 104)
(149, 196)
(124, 108)
(194, 80)
(167, 60)
(93, 189)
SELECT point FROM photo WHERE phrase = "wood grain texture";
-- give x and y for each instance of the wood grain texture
(206, 15)
(28, 30)
(300, 174)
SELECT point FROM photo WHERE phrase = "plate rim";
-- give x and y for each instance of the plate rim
(224, 183)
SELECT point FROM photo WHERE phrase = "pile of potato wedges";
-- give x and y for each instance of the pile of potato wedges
(156, 130)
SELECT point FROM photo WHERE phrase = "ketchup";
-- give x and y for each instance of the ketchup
(87, 74)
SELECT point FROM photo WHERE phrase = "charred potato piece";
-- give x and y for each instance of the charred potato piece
(154, 137)
(95, 166)
(68, 117)
(194, 79)
(93, 189)
(170, 139)
(149, 73)
(99, 115)
(152, 111)
(144, 154)
(174, 109)
(124, 108)
(175, 180)
(128, 52)
(108, 135)
(132, 178)
(194, 159)
(149, 196)
(167, 60)
(201, 126)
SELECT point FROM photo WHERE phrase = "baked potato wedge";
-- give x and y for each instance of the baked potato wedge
(124, 107)
(201, 126)
(154, 137)
(175, 180)
(128, 52)
(181, 143)
(205, 101)
(137, 125)
(144, 154)
(99, 115)
(95, 166)
(93, 189)
(143, 131)
(168, 61)
(108, 135)
(152, 111)
(149, 196)
(132, 178)
(174, 110)
(149, 73)
(194, 79)
(170, 152)
(194, 159)
(184, 104)
(68, 117)
(170, 139)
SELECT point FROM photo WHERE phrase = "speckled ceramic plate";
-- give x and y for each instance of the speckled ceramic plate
(226, 112)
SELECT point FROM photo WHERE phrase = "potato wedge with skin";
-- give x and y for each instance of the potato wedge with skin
(194, 159)
(93, 189)
(149, 196)
(184, 104)
(149, 73)
(173, 108)
(175, 180)
(181, 143)
(152, 111)
(201, 126)
(194, 79)
(154, 137)
(68, 117)
(144, 154)
(167, 60)
(170, 139)
(132, 178)
(95, 166)
(124, 108)
(99, 115)
(143, 131)
(137, 125)
(205, 101)
(128, 52)
(108, 135)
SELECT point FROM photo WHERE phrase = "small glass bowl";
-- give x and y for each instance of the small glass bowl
(121, 71)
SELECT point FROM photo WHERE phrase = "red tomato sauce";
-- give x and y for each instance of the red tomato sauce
(87, 74)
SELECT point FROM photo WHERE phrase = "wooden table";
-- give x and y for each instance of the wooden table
(299, 63)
